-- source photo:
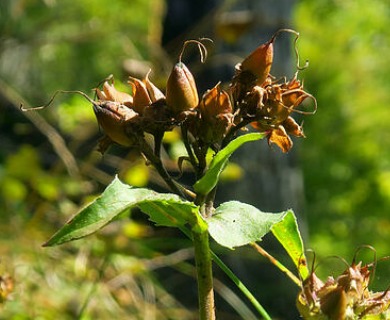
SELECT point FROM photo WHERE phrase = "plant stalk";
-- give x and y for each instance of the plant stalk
(188, 147)
(159, 166)
(204, 275)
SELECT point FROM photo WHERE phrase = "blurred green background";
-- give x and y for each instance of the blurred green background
(49, 166)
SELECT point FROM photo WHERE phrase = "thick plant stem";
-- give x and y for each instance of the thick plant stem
(204, 275)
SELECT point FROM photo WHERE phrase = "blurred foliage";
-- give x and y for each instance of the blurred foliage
(346, 158)
(45, 46)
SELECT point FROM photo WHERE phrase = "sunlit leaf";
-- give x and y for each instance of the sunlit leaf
(288, 235)
(210, 179)
(235, 224)
(163, 209)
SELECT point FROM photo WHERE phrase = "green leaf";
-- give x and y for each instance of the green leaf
(287, 233)
(235, 224)
(163, 209)
(205, 184)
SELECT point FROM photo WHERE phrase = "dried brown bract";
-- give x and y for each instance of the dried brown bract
(216, 115)
(274, 104)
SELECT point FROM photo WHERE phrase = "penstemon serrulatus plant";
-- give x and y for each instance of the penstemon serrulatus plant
(215, 121)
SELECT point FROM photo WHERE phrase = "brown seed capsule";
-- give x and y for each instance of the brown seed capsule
(259, 62)
(113, 117)
(181, 92)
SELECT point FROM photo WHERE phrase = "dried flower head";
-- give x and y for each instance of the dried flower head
(269, 103)
(116, 116)
(274, 105)
(346, 297)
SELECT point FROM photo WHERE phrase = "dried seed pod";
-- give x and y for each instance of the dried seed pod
(181, 94)
(113, 117)
(293, 128)
(280, 137)
(259, 62)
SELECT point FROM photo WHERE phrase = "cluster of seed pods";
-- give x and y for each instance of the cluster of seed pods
(253, 97)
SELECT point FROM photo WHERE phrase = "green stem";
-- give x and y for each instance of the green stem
(234, 278)
(276, 263)
(204, 275)
(241, 286)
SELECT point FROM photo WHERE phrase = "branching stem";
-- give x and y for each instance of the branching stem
(188, 147)
(159, 166)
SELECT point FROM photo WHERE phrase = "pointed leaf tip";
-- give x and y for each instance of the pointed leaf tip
(163, 208)
(287, 233)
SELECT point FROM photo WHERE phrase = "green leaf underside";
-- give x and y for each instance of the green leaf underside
(210, 179)
(236, 224)
(163, 208)
(288, 235)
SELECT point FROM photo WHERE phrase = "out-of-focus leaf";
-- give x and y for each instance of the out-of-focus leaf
(163, 209)
(16, 190)
(137, 175)
(236, 224)
(232, 172)
(210, 179)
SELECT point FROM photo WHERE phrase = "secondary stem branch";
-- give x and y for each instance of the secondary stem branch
(158, 165)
